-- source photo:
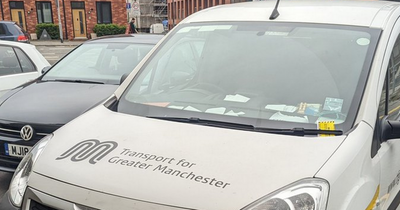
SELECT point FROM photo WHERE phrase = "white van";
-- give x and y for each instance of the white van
(239, 107)
(156, 28)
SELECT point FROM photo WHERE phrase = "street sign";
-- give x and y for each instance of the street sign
(135, 9)
(135, 6)
(128, 5)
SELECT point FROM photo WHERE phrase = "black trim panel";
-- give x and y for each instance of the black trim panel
(395, 203)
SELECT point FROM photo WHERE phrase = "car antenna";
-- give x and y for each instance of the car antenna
(275, 12)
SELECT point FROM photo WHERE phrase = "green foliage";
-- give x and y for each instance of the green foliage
(52, 30)
(108, 29)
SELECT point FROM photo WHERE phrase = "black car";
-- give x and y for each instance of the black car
(11, 31)
(79, 81)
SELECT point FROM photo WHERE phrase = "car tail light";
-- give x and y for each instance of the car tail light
(22, 38)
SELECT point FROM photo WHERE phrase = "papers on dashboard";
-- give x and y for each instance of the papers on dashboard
(232, 113)
(236, 98)
(281, 117)
(281, 108)
(190, 108)
(176, 107)
(219, 110)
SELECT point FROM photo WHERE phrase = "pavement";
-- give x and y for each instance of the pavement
(57, 42)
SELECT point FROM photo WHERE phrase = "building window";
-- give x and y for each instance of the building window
(16, 5)
(78, 5)
(44, 14)
(103, 12)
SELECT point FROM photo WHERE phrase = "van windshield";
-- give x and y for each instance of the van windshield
(282, 75)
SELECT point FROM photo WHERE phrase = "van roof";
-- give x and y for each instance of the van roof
(342, 12)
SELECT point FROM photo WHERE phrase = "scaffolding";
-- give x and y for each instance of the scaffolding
(149, 12)
(160, 10)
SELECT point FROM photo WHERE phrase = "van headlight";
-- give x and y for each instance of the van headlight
(20, 179)
(306, 194)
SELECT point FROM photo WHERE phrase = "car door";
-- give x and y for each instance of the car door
(15, 68)
(387, 152)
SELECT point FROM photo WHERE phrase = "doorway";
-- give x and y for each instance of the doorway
(17, 13)
(18, 16)
(79, 20)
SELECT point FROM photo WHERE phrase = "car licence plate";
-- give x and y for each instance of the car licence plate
(16, 150)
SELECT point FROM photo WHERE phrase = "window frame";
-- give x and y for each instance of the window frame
(389, 112)
(39, 6)
(28, 60)
(100, 14)
(16, 4)
(77, 5)
(7, 47)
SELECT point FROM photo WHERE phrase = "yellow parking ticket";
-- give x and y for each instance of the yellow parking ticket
(327, 126)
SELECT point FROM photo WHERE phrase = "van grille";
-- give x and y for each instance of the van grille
(37, 206)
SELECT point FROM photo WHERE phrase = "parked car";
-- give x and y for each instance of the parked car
(83, 78)
(11, 31)
(19, 63)
(243, 106)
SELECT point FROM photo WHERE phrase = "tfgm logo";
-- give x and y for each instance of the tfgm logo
(92, 148)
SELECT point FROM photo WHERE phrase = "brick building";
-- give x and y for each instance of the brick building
(77, 17)
(180, 9)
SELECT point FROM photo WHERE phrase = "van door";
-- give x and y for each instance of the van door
(389, 107)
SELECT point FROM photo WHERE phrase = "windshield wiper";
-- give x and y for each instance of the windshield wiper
(247, 127)
(213, 123)
(78, 81)
(299, 131)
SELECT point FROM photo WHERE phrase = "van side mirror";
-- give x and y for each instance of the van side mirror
(390, 129)
(123, 77)
(45, 69)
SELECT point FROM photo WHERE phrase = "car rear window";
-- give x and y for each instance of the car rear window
(9, 61)
(14, 29)
(26, 63)
(2, 29)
